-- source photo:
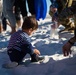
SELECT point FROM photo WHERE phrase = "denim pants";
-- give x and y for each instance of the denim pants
(1, 9)
(8, 11)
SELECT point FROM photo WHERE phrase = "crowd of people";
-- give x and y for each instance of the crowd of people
(10, 13)
(19, 43)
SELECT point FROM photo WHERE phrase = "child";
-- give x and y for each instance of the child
(19, 44)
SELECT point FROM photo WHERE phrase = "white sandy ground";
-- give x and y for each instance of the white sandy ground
(51, 48)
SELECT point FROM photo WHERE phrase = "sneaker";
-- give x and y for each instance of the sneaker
(10, 65)
(39, 59)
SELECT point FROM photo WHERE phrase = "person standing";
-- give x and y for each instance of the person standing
(69, 12)
(8, 13)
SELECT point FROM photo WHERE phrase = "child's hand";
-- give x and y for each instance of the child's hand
(36, 51)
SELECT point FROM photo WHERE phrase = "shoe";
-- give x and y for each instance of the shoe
(10, 65)
(39, 59)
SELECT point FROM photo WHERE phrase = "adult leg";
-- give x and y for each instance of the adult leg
(31, 6)
(1, 7)
(8, 12)
(22, 5)
(18, 16)
(4, 23)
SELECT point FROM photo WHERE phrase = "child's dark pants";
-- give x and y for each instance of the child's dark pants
(17, 56)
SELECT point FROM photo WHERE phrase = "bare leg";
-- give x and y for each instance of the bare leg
(1, 29)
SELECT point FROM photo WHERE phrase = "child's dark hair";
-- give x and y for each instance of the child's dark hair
(30, 22)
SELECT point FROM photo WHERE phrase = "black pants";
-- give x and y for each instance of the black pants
(17, 56)
(22, 5)
(31, 6)
(4, 23)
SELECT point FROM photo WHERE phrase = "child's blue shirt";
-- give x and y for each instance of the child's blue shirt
(21, 42)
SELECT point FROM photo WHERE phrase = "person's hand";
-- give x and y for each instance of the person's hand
(36, 51)
(67, 49)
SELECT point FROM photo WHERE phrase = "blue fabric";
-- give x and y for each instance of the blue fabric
(40, 9)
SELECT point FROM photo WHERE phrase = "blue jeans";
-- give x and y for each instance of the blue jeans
(8, 11)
